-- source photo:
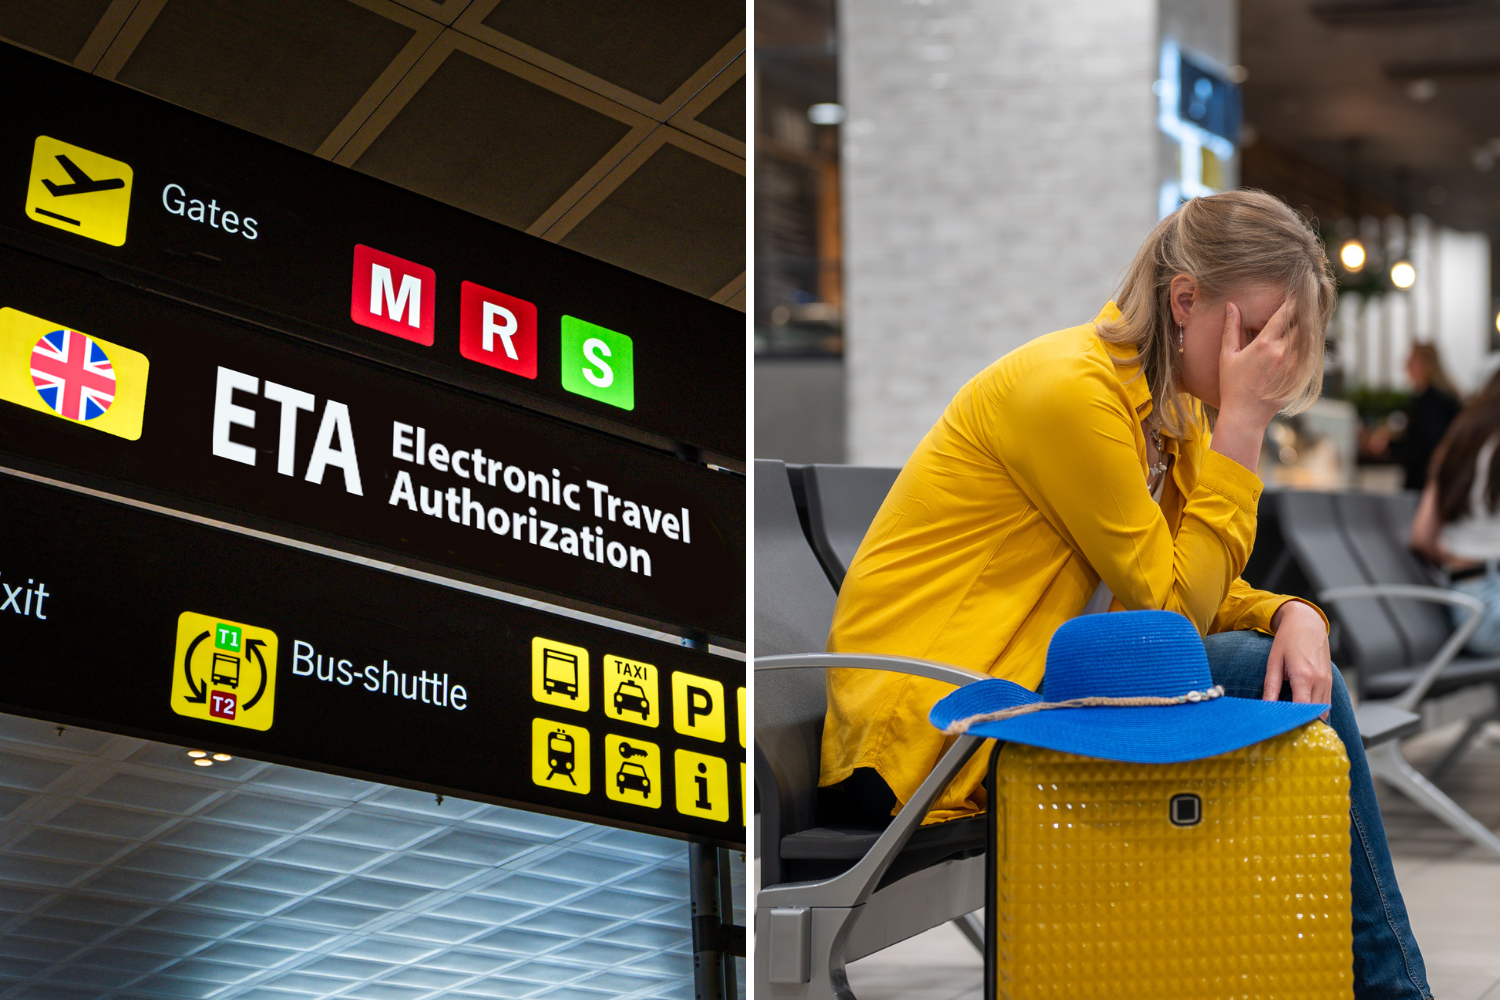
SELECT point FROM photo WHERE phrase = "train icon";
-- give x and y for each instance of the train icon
(560, 755)
(559, 672)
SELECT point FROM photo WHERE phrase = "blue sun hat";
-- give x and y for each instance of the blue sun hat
(1131, 686)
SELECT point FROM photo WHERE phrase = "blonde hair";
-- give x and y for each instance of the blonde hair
(1225, 242)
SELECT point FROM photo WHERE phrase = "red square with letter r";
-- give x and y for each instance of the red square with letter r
(498, 330)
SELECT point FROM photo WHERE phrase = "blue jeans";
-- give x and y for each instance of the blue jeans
(1387, 962)
(1486, 639)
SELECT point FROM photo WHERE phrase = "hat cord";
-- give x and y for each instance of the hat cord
(960, 726)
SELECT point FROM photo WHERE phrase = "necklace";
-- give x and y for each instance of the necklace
(1161, 452)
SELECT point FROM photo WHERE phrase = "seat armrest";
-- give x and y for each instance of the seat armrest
(930, 669)
(1381, 722)
(1428, 675)
(854, 886)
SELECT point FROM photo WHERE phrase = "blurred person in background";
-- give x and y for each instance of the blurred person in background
(1111, 466)
(1457, 526)
(1433, 407)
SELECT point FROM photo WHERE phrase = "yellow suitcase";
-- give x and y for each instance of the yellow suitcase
(1153, 837)
(1220, 878)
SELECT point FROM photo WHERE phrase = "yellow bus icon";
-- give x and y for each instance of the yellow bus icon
(79, 191)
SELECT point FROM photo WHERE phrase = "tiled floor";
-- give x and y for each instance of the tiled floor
(1452, 893)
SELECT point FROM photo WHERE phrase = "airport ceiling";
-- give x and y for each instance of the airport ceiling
(617, 130)
(127, 871)
(1367, 89)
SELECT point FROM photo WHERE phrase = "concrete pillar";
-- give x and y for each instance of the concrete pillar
(1001, 165)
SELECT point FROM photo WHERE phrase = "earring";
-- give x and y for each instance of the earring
(1179, 338)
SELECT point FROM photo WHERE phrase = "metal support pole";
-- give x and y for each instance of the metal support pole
(735, 946)
(708, 954)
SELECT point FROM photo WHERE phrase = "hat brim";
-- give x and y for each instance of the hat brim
(1169, 734)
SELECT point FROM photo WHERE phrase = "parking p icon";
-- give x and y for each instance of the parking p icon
(698, 706)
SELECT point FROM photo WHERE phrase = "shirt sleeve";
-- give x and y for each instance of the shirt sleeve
(1068, 436)
(1245, 607)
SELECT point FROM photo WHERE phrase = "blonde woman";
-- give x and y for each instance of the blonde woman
(1107, 466)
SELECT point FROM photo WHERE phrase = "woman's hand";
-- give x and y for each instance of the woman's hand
(1249, 369)
(1299, 655)
(1248, 373)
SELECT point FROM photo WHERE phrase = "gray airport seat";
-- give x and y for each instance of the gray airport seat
(832, 895)
(1395, 627)
(842, 500)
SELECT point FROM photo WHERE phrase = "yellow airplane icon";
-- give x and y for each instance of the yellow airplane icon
(79, 191)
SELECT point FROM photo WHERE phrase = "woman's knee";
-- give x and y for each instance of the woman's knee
(1237, 661)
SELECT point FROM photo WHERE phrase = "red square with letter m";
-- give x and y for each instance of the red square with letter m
(393, 295)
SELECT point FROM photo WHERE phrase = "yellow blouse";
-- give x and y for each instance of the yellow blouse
(1028, 491)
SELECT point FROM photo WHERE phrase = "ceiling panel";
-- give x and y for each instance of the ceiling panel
(252, 881)
(286, 69)
(490, 142)
(379, 84)
(1394, 98)
(675, 219)
(727, 113)
(56, 27)
(649, 48)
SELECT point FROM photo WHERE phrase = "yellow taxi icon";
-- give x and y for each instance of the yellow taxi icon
(79, 191)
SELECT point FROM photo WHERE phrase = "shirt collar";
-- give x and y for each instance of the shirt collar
(1131, 379)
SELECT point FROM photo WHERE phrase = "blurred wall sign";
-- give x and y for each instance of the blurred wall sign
(136, 189)
(1199, 108)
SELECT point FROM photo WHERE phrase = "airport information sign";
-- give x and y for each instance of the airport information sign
(190, 408)
(298, 465)
(137, 621)
(151, 194)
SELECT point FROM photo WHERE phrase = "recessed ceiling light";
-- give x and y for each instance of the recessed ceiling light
(1422, 90)
(195, 754)
(221, 757)
(826, 114)
(204, 762)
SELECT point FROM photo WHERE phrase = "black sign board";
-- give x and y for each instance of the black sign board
(94, 173)
(207, 411)
(133, 621)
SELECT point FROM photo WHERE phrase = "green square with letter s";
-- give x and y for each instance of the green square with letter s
(598, 363)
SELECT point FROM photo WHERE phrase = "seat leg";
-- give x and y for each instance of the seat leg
(1456, 751)
(1388, 764)
(971, 927)
(827, 937)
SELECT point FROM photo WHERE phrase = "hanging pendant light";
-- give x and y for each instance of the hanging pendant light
(1352, 255)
